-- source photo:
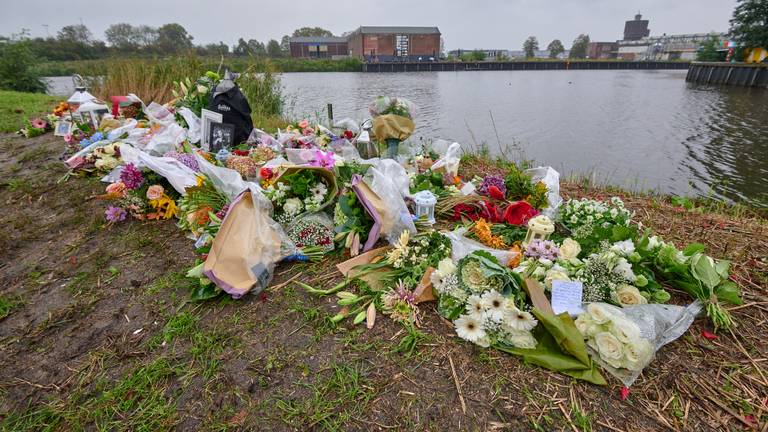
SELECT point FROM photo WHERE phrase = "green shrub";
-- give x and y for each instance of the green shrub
(18, 68)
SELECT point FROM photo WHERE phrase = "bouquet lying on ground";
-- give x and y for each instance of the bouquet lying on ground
(140, 195)
(299, 190)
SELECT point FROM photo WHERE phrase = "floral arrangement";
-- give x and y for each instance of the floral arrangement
(261, 154)
(483, 299)
(614, 338)
(520, 186)
(296, 192)
(202, 208)
(187, 159)
(493, 186)
(586, 213)
(352, 221)
(482, 230)
(142, 196)
(35, 127)
(247, 167)
(383, 105)
(194, 95)
(475, 208)
(312, 230)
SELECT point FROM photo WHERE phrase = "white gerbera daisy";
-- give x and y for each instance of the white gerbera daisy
(494, 304)
(520, 320)
(475, 306)
(470, 328)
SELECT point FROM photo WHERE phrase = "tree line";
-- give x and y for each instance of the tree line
(77, 42)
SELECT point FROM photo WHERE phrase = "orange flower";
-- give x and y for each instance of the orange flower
(515, 260)
(483, 231)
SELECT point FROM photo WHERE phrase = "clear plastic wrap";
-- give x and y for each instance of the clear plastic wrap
(127, 127)
(193, 124)
(625, 340)
(450, 160)
(178, 175)
(395, 172)
(462, 246)
(551, 178)
(347, 124)
(395, 211)
(383, 105)
(312, 229)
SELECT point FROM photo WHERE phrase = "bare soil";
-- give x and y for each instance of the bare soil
(96, 333)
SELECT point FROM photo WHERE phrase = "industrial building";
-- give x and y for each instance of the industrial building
(386, 44)
(665, 47)
(318, 47)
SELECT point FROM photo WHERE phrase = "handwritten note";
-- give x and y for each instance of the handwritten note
(566, 297)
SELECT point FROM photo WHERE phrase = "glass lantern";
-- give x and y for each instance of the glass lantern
(425, 202)
(539, 228)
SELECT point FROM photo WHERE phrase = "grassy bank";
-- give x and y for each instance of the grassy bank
(239, 64)
(16, 107)
(97, 333)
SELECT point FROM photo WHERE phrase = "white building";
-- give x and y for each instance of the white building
(665, 47)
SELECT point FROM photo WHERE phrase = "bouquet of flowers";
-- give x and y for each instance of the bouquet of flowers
(520, 186)
(143, 196)
(35, 127)
(202, 208)
(484, 301)
(585, 214)
(194, 95)
(392, 121)
(384, 105)
(314, 230)
(298, 190)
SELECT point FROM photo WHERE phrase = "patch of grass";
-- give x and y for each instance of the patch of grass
(18, 184)
(206, 350)
(183, 324)
(167, 281)
(410, 341)
(8, 305)
(16, 107)
(334, 399)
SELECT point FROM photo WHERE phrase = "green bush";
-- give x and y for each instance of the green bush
(18, 68)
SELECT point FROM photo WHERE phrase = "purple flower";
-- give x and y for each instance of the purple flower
(323, 159)
(115, 214)
(131, 176)
(185, 158)
(223, 212)
(546, 249)
(492, 180)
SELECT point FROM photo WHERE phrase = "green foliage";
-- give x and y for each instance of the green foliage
(530, 46)
(18, 68)
(555, 48)
(707, 52)
(429, 180)
(16, 108)
(263, 92)
(749, 24)
(475, 55)
(580, 45)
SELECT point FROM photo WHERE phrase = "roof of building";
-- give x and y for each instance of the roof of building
(397, 30)
(317, 39)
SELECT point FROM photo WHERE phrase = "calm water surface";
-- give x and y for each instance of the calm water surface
(636, 129)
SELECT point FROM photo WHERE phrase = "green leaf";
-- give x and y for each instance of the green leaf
(723, 267)
(360, 317)
(205, 292)
(703, 269)
(728, 291)
(693, 249)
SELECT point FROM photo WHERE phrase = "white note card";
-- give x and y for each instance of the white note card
(566, 297)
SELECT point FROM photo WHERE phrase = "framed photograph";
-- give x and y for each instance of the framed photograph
(222, 136)
(206, 118)
(63, 127)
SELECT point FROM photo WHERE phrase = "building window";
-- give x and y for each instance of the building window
(401, 45)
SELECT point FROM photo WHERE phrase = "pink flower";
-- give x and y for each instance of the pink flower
(117, 188)
(303, 124)
(38, 123)
(323, 159)
(155, 192)
(624, 393)
(68, 138)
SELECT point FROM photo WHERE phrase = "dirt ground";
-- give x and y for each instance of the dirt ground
(96, 333)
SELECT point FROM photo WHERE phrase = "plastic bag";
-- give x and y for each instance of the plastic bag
(259, 137)
(625, 340)
(116, 133)
(395, 212)
(159, 114)
(165, 139)
(551, 179)
(194, 131)
(178, 175)
(450, 161)
(395, 172)
(399, 106)
(348, 124)
(462, 246)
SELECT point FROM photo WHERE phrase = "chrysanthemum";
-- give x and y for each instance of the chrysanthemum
(520, 320)
(114, 214)
(470, 328)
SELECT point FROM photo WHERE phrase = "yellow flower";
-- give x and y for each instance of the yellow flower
(483, 231)
(200, 180)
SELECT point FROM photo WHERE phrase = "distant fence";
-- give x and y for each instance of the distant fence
(520, 65)
(738, 74)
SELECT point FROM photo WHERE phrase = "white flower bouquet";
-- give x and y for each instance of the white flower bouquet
(625, 340)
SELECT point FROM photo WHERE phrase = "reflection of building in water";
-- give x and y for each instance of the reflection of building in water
(638, 44)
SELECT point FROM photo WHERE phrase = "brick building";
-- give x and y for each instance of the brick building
(318, 47)
(602, 50)
(395, 43)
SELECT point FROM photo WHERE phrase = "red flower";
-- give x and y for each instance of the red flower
(266, 173)
(465, 210)
(495, 193)
(518, 213)
(624, 392)
(491, 212)
(707, 335)
(240, 152)
(348, 134)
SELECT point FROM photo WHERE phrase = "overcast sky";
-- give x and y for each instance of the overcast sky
(467, 24)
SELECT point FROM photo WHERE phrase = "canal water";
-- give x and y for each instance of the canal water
(635, 129)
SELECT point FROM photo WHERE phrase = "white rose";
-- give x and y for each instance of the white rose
(625, 330)
(637, 355)
(521, 339)
(582, 324)
(553, 275)
(292, 206)
(609, 347)
(625, 247)
(624, 269)
(599, 313)
(570, 249)
(629, 295)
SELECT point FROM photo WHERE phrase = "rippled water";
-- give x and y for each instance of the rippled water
(636, 129)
